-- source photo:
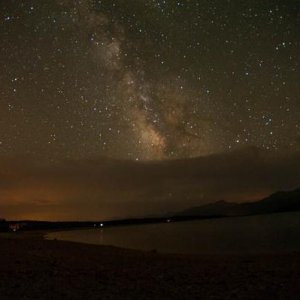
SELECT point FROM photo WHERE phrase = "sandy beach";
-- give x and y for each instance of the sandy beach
(34, 268)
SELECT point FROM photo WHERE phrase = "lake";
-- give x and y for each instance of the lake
(239, 235)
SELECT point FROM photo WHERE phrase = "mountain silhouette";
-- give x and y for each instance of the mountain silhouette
(277, 202)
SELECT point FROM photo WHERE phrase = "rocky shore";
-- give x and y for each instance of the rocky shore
(34, 268)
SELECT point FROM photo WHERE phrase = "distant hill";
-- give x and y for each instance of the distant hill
(277, 202)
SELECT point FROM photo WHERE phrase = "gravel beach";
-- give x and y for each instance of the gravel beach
(34, 268)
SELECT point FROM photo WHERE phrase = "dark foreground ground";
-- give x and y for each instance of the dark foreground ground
(33, 268)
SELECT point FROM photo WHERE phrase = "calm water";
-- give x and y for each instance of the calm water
(256, 234)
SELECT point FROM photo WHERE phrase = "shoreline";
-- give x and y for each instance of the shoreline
(164, 252)
(35, 268)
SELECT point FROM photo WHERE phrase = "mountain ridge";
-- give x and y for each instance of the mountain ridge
(281, 201)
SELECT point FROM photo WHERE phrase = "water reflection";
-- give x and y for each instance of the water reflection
(256, 234)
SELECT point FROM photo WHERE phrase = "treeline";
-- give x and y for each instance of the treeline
(4, 225)
(44, 225)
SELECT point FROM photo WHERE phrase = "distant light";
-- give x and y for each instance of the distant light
(101, 224)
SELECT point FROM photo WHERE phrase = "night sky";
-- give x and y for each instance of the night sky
(143, 81)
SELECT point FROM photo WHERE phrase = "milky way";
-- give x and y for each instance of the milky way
(148, 80)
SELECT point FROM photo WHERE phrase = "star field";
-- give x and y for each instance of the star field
(148, 80)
